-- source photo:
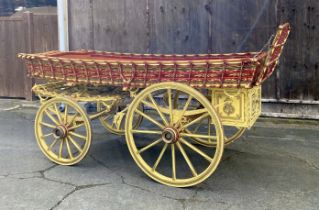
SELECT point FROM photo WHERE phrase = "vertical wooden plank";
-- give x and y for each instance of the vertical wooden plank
(12, 41)
(28, 82)
(120, 25)
(180, 27)
(28, 33)
(81, 24)
(299, 63)
(45, 33)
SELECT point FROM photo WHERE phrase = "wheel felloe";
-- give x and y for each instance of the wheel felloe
(162, 145)
(232, 134)
(115, 119)
(63, 135)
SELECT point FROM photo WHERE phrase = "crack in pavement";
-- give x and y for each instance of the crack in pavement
(99, 162)
(134, 186)
(182, 201)
(76, 188)
(30, 172)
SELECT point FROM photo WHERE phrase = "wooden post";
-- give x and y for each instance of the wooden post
(28, 17)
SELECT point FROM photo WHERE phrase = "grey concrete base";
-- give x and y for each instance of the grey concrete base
(291, 110)
(275, 165)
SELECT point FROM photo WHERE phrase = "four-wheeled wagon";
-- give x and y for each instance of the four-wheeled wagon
(177, 112)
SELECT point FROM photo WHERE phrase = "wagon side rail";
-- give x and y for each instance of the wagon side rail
(274, 52)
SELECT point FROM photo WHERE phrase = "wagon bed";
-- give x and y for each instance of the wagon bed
(240, 70)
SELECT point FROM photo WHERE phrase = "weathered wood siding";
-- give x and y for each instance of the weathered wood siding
(28, 33)
(12, 41)
(206, 26)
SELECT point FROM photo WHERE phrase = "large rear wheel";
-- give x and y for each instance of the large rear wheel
(163, 145)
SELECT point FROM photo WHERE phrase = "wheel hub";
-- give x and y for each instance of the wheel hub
(170, 135)
(60, 132)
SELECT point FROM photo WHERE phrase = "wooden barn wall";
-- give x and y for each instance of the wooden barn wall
(206, 26)
(28, 33)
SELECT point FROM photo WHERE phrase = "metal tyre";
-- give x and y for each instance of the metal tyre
(161, 145)
(63, 135)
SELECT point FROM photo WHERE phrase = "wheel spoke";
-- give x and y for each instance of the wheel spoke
(149, 118)
(65, 114)
(157, 109)
(73, 118)
(197, 127)
(61, 148)
(160, 157)
(185, 107)
(195, 149)
(196, 120)
(189, 163)
(176, 98)
(173, 161)
(75, 143)
(191, 135)
(47, 125)
(149, 146)
(77, 135)
(46, 135)
(53, 144)
(69, 148)
(209, 130)
(170, 107)
(147, 132)
(76, 126)
(58, 113)
(51, 117)
(105, 118)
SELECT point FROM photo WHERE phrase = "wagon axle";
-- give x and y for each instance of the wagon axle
(60, 132)
(170, 135)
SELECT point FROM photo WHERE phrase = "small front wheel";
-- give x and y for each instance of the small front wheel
(63, 135)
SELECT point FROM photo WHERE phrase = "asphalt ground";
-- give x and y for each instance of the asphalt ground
(275, 165)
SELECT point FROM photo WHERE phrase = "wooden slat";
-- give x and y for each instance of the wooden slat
(12, 41)
(300, 60)
(81, 25)
(16, 36)
(120, 25)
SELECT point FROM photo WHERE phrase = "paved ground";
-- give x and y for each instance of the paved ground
(274, 166)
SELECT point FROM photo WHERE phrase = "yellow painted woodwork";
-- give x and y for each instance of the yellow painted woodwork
(237, 107)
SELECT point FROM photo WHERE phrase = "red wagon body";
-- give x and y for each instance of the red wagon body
(242, 70)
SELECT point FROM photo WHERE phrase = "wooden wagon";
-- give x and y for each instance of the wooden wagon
(177, 112)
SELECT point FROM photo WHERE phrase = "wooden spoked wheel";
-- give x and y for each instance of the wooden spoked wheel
(162, 145)
(63, 131)
(114, 121)
(231, 133)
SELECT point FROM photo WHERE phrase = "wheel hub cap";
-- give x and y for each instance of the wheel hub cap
(60, 132)
(170, 135)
